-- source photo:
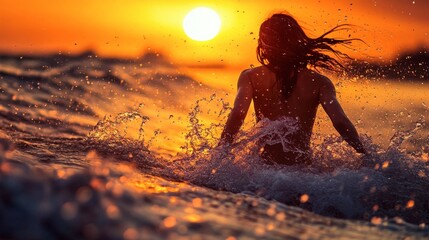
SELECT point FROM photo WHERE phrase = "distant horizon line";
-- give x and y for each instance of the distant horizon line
(160, 54)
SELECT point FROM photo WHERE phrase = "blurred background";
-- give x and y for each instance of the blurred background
(130, 28)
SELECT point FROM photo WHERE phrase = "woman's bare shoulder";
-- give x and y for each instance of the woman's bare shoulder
(256, 70)
(259, 76)
(258, 73)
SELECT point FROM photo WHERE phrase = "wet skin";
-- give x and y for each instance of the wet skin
(311, 89)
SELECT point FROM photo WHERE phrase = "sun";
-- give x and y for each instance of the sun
(201, 24)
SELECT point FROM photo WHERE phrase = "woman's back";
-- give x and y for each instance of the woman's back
(269, 101)
(301, 104)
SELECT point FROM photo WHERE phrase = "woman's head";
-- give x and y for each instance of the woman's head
(283, 44)
(281, 40)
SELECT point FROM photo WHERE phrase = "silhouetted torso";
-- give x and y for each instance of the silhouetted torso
(301, 104)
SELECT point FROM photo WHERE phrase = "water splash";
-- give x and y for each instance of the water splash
(339, 182)
(49, 169)
(117, 128)
(399, 137)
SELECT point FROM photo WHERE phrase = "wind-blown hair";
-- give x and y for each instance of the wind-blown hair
(284, 48)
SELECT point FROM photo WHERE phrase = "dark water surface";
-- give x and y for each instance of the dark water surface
(106, 148)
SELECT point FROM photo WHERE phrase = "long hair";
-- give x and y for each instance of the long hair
(284, 48)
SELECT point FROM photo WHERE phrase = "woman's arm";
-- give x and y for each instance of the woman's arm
(239, 110)
(339, 119)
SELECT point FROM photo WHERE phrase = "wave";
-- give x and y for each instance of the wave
(52, 139)
(386, 183)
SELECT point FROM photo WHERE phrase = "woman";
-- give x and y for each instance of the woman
(285, 87)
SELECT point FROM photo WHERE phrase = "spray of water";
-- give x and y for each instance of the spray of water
(340, 183)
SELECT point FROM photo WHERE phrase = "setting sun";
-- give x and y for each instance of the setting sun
(202, 24)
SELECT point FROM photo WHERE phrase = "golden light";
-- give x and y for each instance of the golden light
(202, 24)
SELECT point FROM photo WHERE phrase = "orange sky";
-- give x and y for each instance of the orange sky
(129, 28)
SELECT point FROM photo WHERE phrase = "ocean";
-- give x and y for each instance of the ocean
(105, 148)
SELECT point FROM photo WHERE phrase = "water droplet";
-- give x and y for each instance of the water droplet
(376, 220)
(169, 222)
(68, 210)
(304, 198)
(410, 204)
(131, 233)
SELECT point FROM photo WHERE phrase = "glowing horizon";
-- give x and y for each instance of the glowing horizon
(131, 28)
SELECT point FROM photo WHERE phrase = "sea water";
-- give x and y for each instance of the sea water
(103, 148)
